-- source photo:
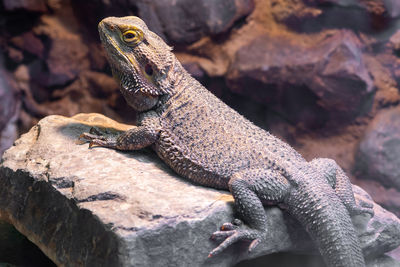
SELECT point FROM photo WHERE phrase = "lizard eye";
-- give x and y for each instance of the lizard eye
(132, 37)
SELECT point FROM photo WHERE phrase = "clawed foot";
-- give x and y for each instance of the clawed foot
(233, 232)
(96, 138)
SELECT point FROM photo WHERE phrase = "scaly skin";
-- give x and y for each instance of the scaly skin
(206, 141)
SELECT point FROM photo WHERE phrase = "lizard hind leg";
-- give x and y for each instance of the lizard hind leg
(339, 181)
(250, 188)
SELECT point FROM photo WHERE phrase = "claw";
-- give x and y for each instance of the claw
(254, 244)
(231, 226)
(90, 136)
(227, 242)
(99, 142)
(232, 234)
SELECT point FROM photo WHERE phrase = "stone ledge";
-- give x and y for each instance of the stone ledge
(103, 207)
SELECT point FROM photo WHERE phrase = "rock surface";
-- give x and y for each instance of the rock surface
(9, 109)
(378, 157)
(330, 65)
(54, 80)
(102, 207)
(183, 21)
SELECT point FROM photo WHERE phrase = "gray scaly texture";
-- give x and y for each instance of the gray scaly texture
(207, 142)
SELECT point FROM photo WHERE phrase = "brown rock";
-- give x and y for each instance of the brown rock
(330, 66)
(99, 84)
(72, 99)
(183, 21)
(293, 11)
(30, 43)
(382, 7)
(67, 55)
(15, 54)
(62, 68)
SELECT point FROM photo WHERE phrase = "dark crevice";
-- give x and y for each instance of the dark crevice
(240, 22)
(18, 21)
(396, 52)
(62, 182)
(338, 17)
(101, 196)
(17, 250)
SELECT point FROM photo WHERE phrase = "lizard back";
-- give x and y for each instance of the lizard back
(214, 140)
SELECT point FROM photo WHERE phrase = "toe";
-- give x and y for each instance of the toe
(222, 234)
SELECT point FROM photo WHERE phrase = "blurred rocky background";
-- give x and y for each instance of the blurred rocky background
(321, 74)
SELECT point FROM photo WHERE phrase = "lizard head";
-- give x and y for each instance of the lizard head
(140, 60)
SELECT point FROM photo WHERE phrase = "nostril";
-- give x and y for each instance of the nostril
(148, 69)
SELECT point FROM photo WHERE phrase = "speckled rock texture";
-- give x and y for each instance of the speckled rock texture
(100, 207)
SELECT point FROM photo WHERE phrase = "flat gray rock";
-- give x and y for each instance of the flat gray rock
(100, 207)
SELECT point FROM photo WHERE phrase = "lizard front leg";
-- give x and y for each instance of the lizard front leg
(136, 138)
(249, 188)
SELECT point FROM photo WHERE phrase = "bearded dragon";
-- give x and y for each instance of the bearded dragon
(209, 143)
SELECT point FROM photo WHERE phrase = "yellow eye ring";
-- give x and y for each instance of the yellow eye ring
(132, 37)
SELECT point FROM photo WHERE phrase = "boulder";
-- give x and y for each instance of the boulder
(30, 43)
(378, 156)
(328, 70)
(101, 207)
(64, 44)
(182, 21)
(178, 21)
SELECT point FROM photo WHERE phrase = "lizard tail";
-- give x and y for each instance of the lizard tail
(316, 206)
